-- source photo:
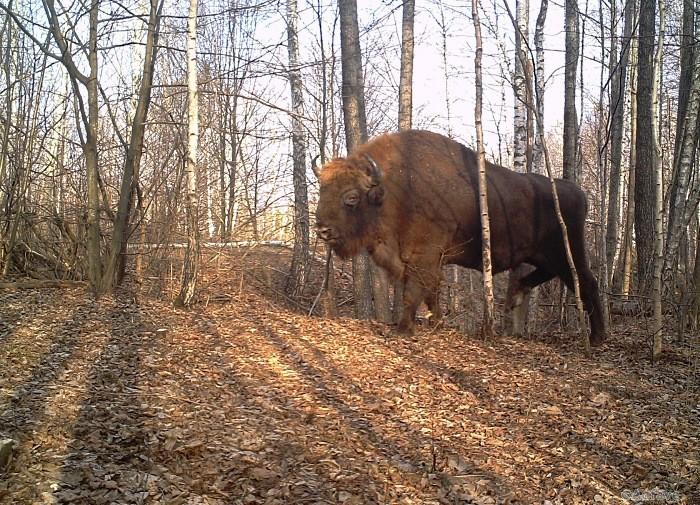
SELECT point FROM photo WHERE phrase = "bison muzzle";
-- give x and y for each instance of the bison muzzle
(411, 200)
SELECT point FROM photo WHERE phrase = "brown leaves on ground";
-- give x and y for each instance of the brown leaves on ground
(127, 400)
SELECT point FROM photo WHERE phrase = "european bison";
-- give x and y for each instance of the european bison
(411, 200)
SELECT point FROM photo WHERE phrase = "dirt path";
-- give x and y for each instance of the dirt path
(243, 402)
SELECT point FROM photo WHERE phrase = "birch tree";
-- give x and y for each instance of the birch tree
(487, 328)
(538, 154)
(521, 135)
(516, 320)
(628, 241)
(658, 185)
(190, 270)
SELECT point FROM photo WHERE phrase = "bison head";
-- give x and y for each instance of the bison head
(350, 196)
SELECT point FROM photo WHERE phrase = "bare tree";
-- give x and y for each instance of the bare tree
(618, 88)
(405, 107)
(523, 106)
(537, 155)
(116, 263)
(658, 185)
(300, 257)
(686, 143)
(406, 72)
(487, 328)
(628, 241)
(87, 114)
(190, 269)
(521, 136)
(570, 143)
(356, 134)
(645, 168)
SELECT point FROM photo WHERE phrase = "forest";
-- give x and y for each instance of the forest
(179, 323)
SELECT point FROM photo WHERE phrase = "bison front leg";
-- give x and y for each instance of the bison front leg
(421, 284)
(412, 297)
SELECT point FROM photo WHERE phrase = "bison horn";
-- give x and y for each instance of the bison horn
(375, 172)
(315, 167)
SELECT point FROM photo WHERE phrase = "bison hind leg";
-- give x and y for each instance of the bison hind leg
(519, 298)
(432, 300)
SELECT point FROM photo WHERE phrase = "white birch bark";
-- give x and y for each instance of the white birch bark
(190, 273)
(629, 214)
(487, 328)
(658, 186)
(520, 106)
(538, 155)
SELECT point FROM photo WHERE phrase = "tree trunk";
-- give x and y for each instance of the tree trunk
(328, 291)
(629, 214)
(537, 158)
(658, 185)
(116, 264)
(91, 159)
(487, 328)
(695, 308)
(190, 270)
(405, 108)
(515, 320)
(602, 156)
(5, 143)
(406, 74)
(686, 142)
(223, 163)
(444, 35)
(356, 134)
(645, 169)
(521, 102)
(570, 141)
(300, 257)
(618, 85)
(232, 171)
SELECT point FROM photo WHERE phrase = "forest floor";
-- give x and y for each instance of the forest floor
(242, 400)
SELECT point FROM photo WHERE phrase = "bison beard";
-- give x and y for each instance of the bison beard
(411, 200)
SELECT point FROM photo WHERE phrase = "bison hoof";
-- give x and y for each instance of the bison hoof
(597, 340)
(405, 330)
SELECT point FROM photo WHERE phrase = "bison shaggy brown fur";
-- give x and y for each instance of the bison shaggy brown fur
(411, 200)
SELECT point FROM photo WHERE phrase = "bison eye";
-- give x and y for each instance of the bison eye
(351, 199)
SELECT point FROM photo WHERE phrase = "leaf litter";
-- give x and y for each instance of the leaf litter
(126, 400)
